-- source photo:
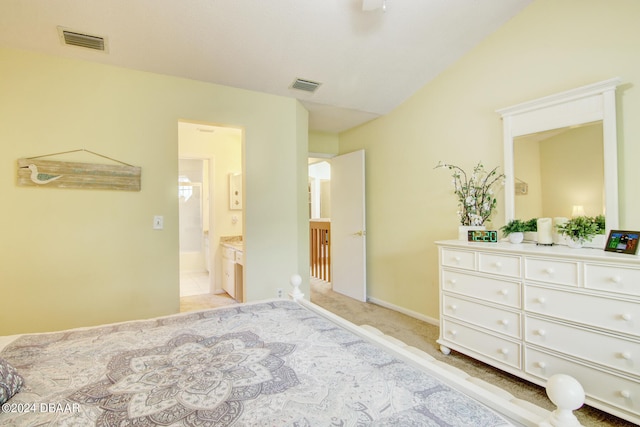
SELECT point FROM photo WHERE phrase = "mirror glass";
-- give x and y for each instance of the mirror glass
(560, 155)
(559, 172)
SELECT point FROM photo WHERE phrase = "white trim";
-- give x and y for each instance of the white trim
(411, 313)
(320, 155)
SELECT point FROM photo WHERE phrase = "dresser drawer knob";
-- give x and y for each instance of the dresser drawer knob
(625, 393)
(452, 281)
(504, 351)
(549, 270)
(453, 333)
(453, 307)
(504, 292)
(541, 332)
(456, 259)
(540, 300)
(541, 365)
(504, 322)
(625, 355)
(497, 264)
(625, 316)
(616, 279)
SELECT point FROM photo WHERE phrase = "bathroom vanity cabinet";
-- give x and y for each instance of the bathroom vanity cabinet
(232, 269)
(535, 311)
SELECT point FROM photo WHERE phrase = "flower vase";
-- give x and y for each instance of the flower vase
(463, 231)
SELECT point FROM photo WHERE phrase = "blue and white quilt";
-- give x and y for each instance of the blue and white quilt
(268, 364)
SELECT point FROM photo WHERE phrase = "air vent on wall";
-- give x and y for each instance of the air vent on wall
(305, 85)
(76, 38)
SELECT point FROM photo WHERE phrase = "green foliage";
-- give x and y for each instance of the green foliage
(600, 223)
(514, 226)
(476, 200)
(532, 224)
(579, 229)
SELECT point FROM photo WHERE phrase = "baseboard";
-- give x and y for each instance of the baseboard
(403, 310)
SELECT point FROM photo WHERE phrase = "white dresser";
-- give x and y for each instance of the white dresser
(535, 311)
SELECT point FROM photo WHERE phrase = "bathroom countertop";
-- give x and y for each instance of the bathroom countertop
(233, 242)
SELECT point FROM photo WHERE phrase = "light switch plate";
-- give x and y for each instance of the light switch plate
(158, 222)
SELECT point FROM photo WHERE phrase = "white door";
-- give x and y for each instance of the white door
(348, 231)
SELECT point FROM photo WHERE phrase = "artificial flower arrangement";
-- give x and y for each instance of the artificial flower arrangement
(476, 199)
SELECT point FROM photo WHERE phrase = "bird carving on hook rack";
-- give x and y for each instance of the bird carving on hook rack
(41, 178)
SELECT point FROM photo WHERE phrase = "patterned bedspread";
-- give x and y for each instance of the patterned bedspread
(268, 364)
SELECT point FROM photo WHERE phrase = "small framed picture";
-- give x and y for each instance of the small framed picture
(625, 242)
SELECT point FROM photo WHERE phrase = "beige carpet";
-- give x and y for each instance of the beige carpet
(422, 335)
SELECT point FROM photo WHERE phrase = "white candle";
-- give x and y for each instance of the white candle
(545, 232)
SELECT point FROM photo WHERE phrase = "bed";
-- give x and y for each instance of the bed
(270, 363)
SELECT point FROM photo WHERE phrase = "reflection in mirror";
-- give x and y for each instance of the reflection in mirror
(553, 168)
(558, 170)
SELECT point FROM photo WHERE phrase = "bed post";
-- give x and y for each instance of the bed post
(295, 281)
(568, 395)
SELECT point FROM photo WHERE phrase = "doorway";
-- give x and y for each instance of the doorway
(207, 155)
(337, 231)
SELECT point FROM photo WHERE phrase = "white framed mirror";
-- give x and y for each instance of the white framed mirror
(567, 144)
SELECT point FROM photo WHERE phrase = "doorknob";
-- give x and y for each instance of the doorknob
(360, 233)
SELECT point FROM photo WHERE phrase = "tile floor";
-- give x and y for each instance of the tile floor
(194, 283)
(195, 295)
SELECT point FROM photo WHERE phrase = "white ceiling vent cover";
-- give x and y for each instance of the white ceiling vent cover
(305, 85)
(80, 39)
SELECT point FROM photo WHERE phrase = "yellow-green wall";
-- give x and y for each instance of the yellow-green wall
(573, 172)
(83, 257)
(561, 170)
(323, 142)
(550, 47)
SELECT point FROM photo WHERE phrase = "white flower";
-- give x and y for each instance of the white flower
(471, 189)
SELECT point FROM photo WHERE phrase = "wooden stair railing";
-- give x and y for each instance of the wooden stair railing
(320, 250)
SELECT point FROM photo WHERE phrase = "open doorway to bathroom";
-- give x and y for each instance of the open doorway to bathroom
(208, 155)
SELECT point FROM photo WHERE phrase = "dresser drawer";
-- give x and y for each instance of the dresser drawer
(493, 318)
(612, 314)
(551, 271)
(612, 278)
(458, 259)
(498, 349)
(614, 352)
(485, 288)
(504, 265)
(603, 387)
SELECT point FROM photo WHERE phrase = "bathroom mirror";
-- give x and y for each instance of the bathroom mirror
(560, 155)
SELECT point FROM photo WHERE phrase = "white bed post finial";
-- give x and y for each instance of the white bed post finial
(295, 281)
(568, 395)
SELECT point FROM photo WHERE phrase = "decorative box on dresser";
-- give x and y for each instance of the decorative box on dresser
(535, 311)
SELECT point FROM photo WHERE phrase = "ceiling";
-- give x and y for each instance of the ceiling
(367, 61)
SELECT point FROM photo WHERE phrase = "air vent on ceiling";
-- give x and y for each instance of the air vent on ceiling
(76, 38)
(305, 85)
